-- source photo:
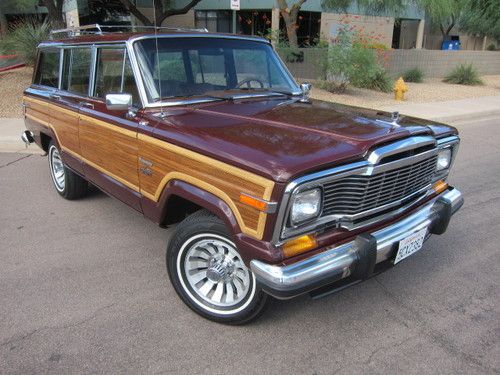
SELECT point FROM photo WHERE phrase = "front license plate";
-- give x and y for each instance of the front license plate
(410, 245)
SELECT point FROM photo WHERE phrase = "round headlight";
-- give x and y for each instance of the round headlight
(305, 206)
(443, 159)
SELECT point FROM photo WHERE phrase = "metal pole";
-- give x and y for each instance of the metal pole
(234, 22)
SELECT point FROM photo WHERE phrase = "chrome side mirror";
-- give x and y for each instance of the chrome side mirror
(305, 88)
(118, 102)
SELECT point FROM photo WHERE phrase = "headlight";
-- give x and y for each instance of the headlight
(443, 159)
(306, 205)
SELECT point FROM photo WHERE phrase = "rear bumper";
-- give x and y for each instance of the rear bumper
(356, 259)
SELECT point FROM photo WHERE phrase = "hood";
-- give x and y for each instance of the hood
(281, 138)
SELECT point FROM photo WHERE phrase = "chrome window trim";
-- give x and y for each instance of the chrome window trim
(365, 167)
(140, 84)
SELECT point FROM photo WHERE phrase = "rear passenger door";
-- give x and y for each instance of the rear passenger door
(108, 139)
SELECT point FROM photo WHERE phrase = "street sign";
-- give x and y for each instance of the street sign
(235, 4)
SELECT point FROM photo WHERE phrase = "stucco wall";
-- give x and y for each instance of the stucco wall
(181, 20)
(380, 27)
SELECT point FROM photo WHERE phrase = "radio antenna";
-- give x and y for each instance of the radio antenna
(158, 70)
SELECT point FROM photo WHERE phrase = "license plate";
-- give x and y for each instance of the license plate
(410, 245)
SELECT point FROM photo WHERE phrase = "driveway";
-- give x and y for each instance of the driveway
(84, 289)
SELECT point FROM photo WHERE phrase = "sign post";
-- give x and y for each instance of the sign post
(235, 5)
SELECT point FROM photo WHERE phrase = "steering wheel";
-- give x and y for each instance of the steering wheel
(248, 80)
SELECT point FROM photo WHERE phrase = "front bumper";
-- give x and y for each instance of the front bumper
(356, 259)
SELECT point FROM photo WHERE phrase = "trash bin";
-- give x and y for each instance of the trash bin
(453, 45)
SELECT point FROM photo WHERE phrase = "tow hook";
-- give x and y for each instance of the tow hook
(27, 137)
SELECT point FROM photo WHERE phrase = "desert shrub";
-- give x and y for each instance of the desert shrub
(491, 47)
(464, 74)
(329, 86)
(24, 37)
(413, 75)
(352, 61)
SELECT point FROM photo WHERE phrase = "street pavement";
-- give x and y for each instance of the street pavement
(84, 289)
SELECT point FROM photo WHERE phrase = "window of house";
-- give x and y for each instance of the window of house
(114, 74)
(48, 69)
(76, 70)
(213, 20)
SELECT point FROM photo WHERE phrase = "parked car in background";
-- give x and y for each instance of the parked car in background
(274, 193)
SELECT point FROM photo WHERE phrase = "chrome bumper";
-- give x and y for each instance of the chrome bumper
(357, 258)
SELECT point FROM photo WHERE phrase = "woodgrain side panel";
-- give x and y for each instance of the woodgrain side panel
(65, 125)
(37, 110)
(111, 149)
(170, 162)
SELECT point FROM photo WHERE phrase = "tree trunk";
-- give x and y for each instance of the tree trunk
(291, 28)
(4, 27)
(55, 13)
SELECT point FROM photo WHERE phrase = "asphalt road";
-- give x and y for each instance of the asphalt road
(84, 289)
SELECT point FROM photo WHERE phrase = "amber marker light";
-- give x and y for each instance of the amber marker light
(440, 186)
(254, 202)
(299, 245)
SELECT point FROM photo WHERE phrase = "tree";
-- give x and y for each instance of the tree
(482, 17)
(444, 13)
(290, 15)
(55, 9)
(163, 10)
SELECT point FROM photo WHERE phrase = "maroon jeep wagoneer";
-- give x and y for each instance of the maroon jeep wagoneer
(275, 194)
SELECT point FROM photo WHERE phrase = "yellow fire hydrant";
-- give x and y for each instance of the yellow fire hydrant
(400, 88)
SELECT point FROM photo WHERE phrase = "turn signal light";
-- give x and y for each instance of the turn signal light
(299, 245)
(440, 186)
(254, 202)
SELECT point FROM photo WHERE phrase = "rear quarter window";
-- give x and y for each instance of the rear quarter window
(47, 73)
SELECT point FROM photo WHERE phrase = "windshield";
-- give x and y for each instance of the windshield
(186, 67)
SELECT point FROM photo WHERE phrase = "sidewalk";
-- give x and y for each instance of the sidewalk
(448, 112)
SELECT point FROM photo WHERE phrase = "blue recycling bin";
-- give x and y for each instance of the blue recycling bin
(451, 45)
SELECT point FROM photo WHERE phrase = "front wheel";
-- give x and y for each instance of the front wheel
(208, 273)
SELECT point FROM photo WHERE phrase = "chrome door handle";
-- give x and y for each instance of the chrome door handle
(87, 105)
(55, 97)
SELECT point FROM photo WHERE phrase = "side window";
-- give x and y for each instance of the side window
(47, 73)
(114, 74)
(76, 70)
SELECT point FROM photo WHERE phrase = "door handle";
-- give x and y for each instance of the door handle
(87, 105)
(55, 97)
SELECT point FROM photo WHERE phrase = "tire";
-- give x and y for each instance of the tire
(208, 273)
(68, 184)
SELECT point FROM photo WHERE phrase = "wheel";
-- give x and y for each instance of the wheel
(67, 183)
(208, 273)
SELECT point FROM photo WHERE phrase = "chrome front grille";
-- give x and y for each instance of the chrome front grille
(355, 194)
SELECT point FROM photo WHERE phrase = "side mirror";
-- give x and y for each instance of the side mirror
(306, 88)
(118, 102)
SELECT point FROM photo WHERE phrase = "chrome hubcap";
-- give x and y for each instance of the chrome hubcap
(57, 169)
(216, 272)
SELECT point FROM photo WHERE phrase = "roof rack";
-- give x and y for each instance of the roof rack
(98, 29)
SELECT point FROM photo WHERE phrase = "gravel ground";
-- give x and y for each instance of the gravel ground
(431, 90)
(14, 82)
(12, 85)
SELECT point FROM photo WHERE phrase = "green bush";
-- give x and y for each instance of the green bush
(491, 47)
(413, 75)
(464, 74)
(24, 37)
(353, 62)
(329, 86)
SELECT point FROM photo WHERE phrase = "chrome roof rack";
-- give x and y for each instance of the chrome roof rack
(101, 29)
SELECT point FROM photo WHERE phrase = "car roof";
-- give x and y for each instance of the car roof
(119, 37)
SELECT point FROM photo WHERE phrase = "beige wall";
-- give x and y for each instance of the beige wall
(181, 20)
(367, 24)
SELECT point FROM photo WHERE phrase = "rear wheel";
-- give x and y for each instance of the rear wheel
(209, 274)
(67, 183)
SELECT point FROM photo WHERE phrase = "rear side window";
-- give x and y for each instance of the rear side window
(48, 69)
(76, 70)
(114, 74)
